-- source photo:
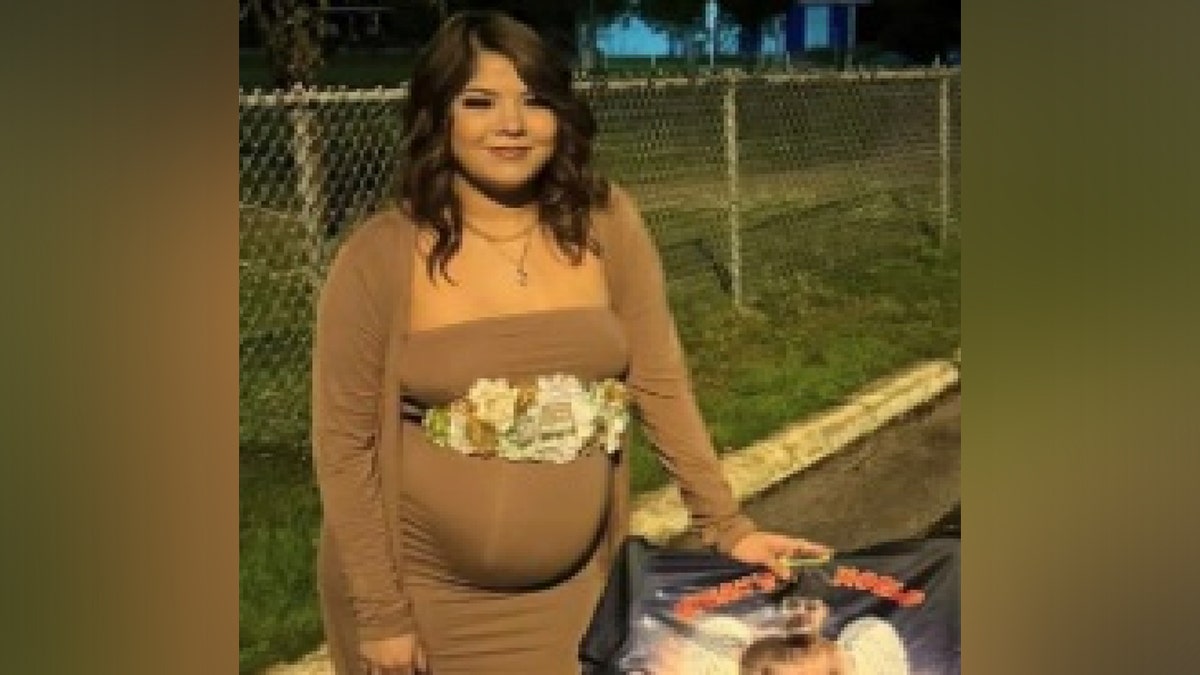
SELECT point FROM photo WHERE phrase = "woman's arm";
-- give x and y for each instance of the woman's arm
(662, 392)
(352, 324)
(659, 381)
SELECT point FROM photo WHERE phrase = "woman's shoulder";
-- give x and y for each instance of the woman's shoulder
(386, 223)
(377, 237)
(617, 202)
(619, 218)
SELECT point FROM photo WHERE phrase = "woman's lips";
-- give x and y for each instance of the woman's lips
(509, 153)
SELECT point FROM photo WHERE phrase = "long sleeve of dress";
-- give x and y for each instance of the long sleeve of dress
(351, 339)
(661, 386)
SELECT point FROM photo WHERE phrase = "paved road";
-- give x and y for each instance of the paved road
(897, 483)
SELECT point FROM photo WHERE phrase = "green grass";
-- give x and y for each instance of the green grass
(839, 298)
(275, 313)
(842, 293)
(279, 511)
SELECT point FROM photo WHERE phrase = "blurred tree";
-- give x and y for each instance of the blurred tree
(438, 6)
(670, 11)
(566, 25)
(750, 16)
(918, 29)
(291, 36)
(291, 31)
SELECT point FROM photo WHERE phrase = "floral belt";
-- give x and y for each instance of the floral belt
(554, 419)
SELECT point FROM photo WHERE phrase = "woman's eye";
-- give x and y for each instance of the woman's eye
(537, 102)
(476, 102)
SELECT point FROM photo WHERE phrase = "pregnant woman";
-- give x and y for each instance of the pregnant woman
(479, 349)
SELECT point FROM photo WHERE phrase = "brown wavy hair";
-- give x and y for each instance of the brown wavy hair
(565, 189)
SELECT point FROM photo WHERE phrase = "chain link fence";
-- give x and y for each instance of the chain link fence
(755, 188)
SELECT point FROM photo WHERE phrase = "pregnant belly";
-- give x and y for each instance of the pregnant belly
(500, 524)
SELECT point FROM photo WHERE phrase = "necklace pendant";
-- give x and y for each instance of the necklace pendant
(522, 277)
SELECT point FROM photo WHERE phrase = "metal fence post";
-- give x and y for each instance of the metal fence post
(309, 184)
(944, 149)
(731, 161)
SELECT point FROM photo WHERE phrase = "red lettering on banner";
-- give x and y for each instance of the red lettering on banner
(880, 585)
(888, 588)
(911, 598)
(867, 581)
(692, 605)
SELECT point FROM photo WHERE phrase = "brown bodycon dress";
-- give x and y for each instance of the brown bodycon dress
(495, 565)
(473, 524)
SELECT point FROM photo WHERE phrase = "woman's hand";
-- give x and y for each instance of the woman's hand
(772, 550)
(400, 655)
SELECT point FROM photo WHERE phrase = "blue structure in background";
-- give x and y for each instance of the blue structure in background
(807, 25)
(630, 36)
(821, 24)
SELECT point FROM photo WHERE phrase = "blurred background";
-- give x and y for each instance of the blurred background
(372, 42)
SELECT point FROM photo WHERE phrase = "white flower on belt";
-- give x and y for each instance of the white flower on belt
(494, 402)
(553, 419)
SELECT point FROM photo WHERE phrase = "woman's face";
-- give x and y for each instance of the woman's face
(501, 134)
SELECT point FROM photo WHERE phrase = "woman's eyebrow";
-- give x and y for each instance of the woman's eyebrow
(488, 92)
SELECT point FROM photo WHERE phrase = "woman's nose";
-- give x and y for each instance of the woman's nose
(512, 118)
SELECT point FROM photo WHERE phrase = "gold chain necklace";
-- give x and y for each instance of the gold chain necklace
(499, 239)
(519, 263)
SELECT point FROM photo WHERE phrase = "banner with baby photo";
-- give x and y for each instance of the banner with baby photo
(888, 609)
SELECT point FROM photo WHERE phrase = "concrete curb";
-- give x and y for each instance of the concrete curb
(316, 663)
(660, 515)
